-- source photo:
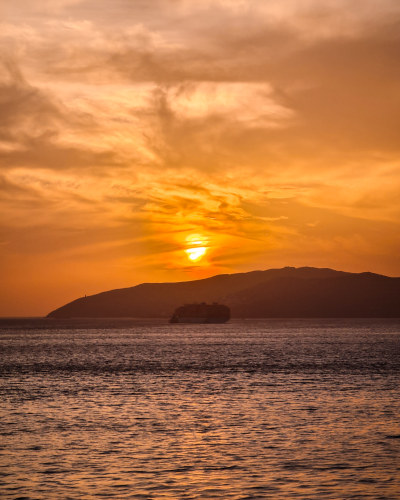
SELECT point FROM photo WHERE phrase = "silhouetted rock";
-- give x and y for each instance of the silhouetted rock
(290, 292)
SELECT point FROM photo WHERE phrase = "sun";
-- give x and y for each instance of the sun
(197, 247)
(195, 254)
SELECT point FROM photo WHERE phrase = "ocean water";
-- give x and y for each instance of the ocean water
(277, 409)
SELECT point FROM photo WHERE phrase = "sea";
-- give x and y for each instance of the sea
(250, 409)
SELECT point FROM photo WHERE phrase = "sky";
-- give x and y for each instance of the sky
(171, 140)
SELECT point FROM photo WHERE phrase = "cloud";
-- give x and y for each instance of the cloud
(271, 128)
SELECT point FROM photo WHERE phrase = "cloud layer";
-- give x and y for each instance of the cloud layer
(270, 129)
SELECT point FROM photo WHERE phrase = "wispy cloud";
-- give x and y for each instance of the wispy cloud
(269, 127)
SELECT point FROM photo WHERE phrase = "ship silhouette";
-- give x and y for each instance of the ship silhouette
(201, 313)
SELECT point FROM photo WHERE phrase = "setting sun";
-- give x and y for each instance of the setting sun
(195, 254)
(197, 247)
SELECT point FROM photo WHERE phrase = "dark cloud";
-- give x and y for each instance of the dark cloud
(24, 109)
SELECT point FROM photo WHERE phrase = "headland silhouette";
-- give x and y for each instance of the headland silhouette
(290, 292)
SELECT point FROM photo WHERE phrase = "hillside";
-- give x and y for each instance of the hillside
(364, 295)
(287, 292)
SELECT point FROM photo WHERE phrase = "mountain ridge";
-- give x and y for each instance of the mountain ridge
(285, 292)
(361, 295)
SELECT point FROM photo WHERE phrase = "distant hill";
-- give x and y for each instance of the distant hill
(290, 292)
(364, 295)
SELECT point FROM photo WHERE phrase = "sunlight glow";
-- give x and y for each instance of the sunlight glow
(197, 247)
(195, 254)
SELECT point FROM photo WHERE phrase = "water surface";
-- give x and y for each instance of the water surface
(279, 409)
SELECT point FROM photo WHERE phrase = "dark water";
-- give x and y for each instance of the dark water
(252, 409)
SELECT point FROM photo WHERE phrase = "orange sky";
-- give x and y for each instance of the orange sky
(168, 140)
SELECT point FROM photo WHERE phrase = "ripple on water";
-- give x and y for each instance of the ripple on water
(263, 409)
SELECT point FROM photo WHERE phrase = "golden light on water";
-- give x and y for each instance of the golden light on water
(197, 247)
